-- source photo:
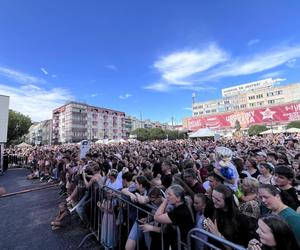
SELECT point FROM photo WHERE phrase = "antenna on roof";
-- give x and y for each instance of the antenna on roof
(193, 97)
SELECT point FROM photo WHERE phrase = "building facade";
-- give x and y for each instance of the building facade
(74, 122)
(260, 102)
(251, 95)
(40, 133)
(132, 123)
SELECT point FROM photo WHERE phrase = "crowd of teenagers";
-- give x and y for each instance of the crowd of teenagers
(244, 190)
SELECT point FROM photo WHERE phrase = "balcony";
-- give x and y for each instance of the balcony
(81, 114)
(80, 122)
(81, 130)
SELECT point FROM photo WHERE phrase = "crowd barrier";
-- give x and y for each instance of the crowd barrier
(200, 239)
(15, 160)
(111, 217)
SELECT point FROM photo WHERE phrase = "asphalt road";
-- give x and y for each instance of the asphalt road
(25, 218)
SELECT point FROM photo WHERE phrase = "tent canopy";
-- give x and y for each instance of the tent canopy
(293, 130)
(102, 141)
(273, 131)
(203, 132)
(24, 145)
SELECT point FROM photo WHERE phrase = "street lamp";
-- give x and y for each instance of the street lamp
(272, 126)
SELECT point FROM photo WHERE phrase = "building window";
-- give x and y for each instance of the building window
(259, 96)
(271, 101)
(242, 106)
(195, 113)
(251, 97)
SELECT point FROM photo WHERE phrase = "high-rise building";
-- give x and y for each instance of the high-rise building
(76, 121)
(249, 95)
(246, 103)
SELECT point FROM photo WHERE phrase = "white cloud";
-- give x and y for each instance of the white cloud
(111, 67)
(187, 109)
(160, 87)
(273, 74)
(177, 67)
(34, 101)
(252, 42)
(201, 88)
(94, 95)
(44, 71)
(193, 69)
(291, 63)
(53, 76)
(126, 96)
(258, 62)
(20, 77)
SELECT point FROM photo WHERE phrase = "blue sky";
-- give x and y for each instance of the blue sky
(141, 57)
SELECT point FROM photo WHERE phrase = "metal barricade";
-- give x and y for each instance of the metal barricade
(112, 216)
(125, 216)
(17, 160)
(109, 218)
(194, 234)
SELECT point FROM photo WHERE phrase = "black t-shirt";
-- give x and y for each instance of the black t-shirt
(255, 174)
(289, 197)
(166, 180)
(182, 217)
(156, 169)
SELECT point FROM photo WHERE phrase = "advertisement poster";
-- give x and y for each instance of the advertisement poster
(275, 114)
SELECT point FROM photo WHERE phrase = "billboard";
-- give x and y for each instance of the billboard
(275, 114)
(4, 104)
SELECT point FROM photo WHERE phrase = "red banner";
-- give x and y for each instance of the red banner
(276, 114)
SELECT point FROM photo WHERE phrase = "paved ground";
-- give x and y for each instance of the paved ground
(25, 218)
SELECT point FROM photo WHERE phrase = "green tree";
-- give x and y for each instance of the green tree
(142, 134)
(172, 134)
(294, 124)
(18, 126)
(256, 129)
(157, 134)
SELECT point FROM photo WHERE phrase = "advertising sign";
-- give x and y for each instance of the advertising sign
(276, 114)
(4, 104)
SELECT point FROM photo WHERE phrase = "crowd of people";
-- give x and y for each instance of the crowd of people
(245, 190)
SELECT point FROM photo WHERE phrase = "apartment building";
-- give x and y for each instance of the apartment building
(132, 123)
(76, 121)
(40, 133)
(256, 94)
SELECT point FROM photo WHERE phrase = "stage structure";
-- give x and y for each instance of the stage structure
(4, 106)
